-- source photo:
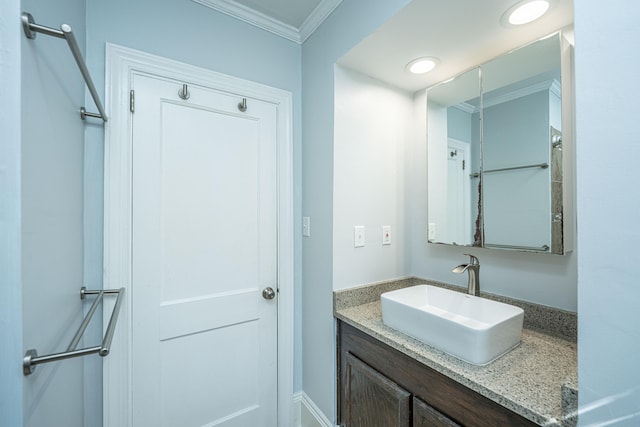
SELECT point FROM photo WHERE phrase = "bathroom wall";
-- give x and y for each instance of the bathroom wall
(10, 236)
(541, 278)
(607, 91)
(372, 127)
(52, 91)
(348, 24)
(377, 158)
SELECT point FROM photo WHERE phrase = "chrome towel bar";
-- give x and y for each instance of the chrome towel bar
(31, 28)
(539, 165)
(31, 358)
(543, 248)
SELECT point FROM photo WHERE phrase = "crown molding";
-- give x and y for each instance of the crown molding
(274, 26)
(253, 17)
(317, 17)
(556, 88)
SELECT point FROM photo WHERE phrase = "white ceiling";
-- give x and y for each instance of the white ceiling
(461, 33)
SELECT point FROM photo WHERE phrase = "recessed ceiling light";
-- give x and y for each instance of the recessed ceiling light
(525, 11)
(422, 65)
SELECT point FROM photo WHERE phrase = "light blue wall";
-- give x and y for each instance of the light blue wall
(607, 91)
(372, 128)
(517, 204)
(516, 131)
(349, 24)
(458, 124)
(52, 212)
(10, 236)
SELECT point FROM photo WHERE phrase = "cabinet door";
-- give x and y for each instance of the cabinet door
(373, 400)
(426, 416)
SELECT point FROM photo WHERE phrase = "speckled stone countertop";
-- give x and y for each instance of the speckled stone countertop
(528, 380)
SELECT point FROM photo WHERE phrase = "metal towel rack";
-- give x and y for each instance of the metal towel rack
(31, 358)
(539, 165)
(543, 248)
(31, 28)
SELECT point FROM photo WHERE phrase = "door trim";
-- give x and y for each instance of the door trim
(121, 64)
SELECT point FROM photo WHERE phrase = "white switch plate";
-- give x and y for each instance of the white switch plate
(306, 226)
(358, 236)
(432, 231)
(386, 234)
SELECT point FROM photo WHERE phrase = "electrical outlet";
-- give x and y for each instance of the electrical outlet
(386, 235)
(358, 236)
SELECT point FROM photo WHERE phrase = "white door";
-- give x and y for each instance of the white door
(204, 339)
(458, 199)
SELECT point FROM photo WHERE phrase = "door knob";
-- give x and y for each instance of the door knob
(268, 293)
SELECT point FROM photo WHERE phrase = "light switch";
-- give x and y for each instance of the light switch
(306, 226)
(386, 234)
(358, 236)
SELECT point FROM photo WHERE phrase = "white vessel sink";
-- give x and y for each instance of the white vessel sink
(474, 329)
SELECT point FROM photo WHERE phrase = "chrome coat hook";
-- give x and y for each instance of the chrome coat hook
(242, 106)
(184, 92)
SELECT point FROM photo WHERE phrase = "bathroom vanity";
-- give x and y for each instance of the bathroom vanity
(380, 385)
(386, 378)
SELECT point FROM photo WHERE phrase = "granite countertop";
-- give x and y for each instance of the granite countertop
(529, 379)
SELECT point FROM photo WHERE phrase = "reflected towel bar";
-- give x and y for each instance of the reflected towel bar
(539, 165)
(31, 28)
(543, 248)
(31, 358)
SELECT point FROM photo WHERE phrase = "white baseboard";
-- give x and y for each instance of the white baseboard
(307, 414)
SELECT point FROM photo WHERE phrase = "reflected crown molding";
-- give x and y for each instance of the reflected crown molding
(552, 86)
(274, 26)
(466, 107)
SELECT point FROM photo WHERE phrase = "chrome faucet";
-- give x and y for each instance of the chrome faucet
(473, 268)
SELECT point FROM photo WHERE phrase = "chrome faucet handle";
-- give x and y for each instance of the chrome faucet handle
(473, 260)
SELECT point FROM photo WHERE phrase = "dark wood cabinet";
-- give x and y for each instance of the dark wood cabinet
(426, 416)
(380, 386)
(374, 400)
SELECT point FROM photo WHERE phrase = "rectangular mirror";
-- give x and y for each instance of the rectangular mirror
(495, 153)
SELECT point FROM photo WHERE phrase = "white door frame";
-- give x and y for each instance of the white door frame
(121, 63)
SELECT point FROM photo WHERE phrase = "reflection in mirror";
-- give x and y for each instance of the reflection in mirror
(453, 135)
(521, 113)
(495, 153)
